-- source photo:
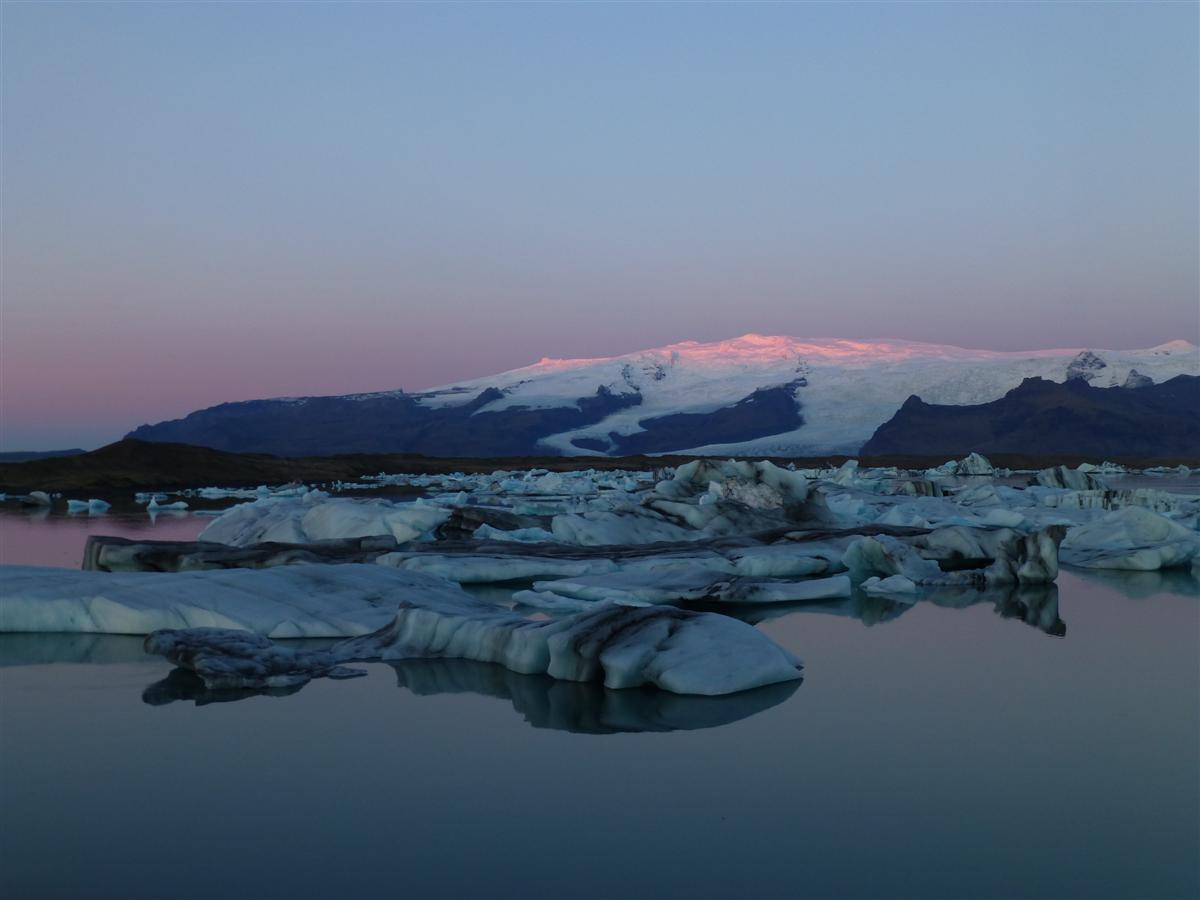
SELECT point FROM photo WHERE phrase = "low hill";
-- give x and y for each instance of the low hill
(13, 456)
(141, 465)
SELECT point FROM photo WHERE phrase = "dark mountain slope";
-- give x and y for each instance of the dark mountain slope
(1046, 418)
(381, 423)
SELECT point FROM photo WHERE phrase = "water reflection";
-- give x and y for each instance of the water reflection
(182, 684)
(1143, 585)
(1035, 605)
(542, 701)
(586, 707)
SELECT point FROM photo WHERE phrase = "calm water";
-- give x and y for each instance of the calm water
(942, 751)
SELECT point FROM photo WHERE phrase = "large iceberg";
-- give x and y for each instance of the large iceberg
(413, 615)
(282, 602)
(623, 647)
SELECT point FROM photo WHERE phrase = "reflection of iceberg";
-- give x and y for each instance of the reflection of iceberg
(181, 684)
(1034, 604)
(586, 707)
(871, 610)
(1141, 585)
(42, 649)
(544, 702)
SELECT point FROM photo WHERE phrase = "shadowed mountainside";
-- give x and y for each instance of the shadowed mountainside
(1046, 418)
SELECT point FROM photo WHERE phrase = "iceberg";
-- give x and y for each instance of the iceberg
(467, 569)
(313, 517)
(282, 602)
(677, 650)
(1131, 538)
(413, 615)
(975, 464)
(1074, 479)
(685, 582)
(623, 647)
(229, 659)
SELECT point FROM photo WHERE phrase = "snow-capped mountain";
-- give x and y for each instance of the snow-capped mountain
(754, 394)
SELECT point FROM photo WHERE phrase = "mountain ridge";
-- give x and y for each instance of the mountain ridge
(1046, 418)
(764, 394)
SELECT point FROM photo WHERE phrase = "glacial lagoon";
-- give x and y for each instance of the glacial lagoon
(1025, 741)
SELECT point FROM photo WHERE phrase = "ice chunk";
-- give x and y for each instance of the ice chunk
(685, 582)
(1131, 538)
(227, 659)
(680, 651)
(890, 586)
(314, 517)
(594, 529)
(677, 650)
(486, 532)
(154, 505)
(668, 584)
(491, 569)
(1075, 479)
(975, 464)
(752, 590)
(283, 602)
(786, 560)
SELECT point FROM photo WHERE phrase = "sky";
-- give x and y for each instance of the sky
(211, 202)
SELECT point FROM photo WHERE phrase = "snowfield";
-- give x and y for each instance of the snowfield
(846, 389)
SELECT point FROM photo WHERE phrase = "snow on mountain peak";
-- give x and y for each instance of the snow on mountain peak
(845, 387)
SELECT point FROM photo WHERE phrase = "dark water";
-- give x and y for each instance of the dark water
(944, 751)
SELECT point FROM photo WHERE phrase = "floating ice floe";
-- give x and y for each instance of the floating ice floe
(226, 659)
(1079, 479)
(315, 517)
(94, 506)
(155, 506)
(1131, 538)
(688, 582)
(677, 650)
(283, 602)
(465, 569)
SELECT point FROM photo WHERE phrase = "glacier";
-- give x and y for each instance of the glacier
(849, 387)
(755, 395)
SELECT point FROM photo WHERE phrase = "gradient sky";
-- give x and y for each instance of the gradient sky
(216, 202)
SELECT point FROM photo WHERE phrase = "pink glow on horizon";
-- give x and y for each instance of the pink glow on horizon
(85, 396)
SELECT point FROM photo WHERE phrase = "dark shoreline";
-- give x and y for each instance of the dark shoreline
(130, 464)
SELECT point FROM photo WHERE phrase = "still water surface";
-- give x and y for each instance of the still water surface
(941, 751)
